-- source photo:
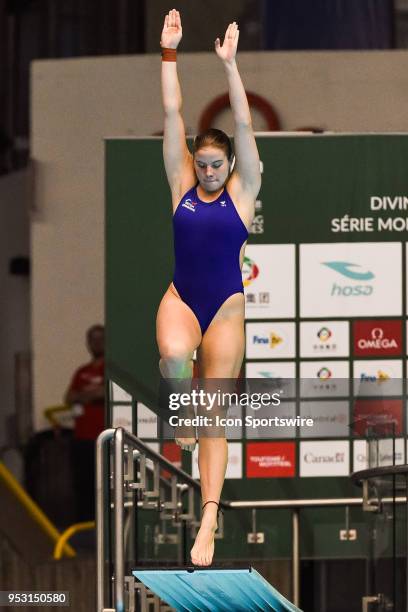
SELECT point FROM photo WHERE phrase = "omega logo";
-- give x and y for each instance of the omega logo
(377, 341)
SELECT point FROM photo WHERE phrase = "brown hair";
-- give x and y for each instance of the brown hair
(215, 138)
(92, 329)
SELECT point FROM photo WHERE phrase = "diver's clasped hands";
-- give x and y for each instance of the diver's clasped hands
(172, 33)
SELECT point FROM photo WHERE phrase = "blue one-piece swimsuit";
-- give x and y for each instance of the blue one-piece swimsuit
(208, 237)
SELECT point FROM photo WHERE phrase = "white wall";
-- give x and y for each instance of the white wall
(76, 103)
(14, 290)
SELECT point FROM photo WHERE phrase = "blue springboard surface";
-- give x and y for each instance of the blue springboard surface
(214, 590)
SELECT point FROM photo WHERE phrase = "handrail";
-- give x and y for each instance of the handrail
(151, 454)
(52, 410)
(122, 436)
(68, 533)
(281, 503)
(289, 504)
(386, 470)
(103, 437)
(119, 544)
(361, 478)
(32, 508)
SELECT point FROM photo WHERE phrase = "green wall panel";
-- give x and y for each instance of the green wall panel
(307, 181)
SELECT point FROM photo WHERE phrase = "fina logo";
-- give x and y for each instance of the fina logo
(379, 378)
(273, 340)
(348, 270)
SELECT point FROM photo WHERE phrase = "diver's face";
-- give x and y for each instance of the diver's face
(211, 167)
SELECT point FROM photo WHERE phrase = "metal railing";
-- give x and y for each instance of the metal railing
(380, 476)
(120, 437)
(68, 533)
(33, 509)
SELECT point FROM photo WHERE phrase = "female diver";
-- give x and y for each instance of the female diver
(213, 207)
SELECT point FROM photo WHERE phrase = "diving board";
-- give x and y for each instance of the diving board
(214, 590)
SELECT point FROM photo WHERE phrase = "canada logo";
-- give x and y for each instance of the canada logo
(189, 204)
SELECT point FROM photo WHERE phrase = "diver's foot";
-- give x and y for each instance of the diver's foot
(187, 444)
(203, 550)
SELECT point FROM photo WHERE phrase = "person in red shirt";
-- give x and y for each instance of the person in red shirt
(86, 391)
(86, 394)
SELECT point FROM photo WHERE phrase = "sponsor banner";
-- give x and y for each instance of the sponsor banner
(350, 279)
(279, 429)
(324, 458)
(146, 422)
(119, 395)
(324, 378)
(268, 274)
(172, 452)
(122, 416)
(381, 455)
(270, 340)
(234, 467)
(391, 451)
(234, 415)
(360, 455)
(324, 339)
(270, 369)
(257, 226)
(270, 459)
(377, 416)
(376, 377)
(156, 448)
(273, 375)
(406, 280)
(406, 412)
(330, 419)
(377, 337)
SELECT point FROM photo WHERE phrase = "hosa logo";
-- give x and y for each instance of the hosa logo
(353, 272)
(189, 204)
(377, 337)
(273, 340)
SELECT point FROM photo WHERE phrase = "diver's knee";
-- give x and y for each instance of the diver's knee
(175, 361)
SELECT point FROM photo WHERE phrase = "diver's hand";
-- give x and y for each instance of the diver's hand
(228, 50)
(172, 30)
